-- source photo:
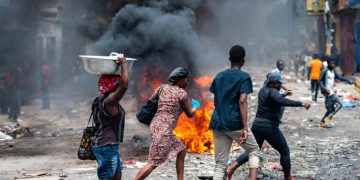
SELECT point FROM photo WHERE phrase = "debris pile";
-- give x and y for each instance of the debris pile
(13, 131)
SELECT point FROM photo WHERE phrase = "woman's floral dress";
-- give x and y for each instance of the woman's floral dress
(165, 144)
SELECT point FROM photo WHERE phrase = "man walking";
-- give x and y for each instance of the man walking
(229, 120)
(332, 103)
(316, 65)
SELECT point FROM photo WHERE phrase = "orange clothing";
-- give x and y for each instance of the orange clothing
(315, 69)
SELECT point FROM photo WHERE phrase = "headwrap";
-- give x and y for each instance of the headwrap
(108, 83)
(178, 73)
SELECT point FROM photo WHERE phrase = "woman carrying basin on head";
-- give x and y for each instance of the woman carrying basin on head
(172, 101)
(109, 122)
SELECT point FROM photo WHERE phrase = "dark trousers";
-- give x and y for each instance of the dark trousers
(333, 105)
(4, 105)
(46, 97)
(14, 104)
(314, 89)
(276, 139)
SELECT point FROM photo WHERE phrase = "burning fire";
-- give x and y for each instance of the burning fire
(194, 132)
(204, 81)
(149, 79)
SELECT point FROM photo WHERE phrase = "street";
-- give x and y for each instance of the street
(50, 149)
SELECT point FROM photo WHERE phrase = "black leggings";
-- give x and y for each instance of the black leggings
(276, 139)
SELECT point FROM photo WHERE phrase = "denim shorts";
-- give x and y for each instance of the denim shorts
(108, 160)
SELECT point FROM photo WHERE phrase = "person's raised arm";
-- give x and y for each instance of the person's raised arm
(285, 88)
(115, 97)
(342, 78)
(186, 106)
(275, 96)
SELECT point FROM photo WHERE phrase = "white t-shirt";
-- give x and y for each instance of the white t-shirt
(325, 64)
(276, 70)
(330, 81)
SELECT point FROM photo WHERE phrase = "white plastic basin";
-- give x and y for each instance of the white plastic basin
(105, 64)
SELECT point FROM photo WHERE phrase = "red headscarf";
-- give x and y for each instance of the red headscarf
(108, 83)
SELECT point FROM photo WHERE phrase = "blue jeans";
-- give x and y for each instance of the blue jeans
(108, 159)
(276, 139)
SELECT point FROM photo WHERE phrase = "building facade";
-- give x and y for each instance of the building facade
(345, 23)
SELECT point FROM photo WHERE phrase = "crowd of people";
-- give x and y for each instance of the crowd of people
(17, 88)
(229, 121)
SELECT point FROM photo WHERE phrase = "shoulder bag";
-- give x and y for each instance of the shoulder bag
(148, 111)
(85, 151)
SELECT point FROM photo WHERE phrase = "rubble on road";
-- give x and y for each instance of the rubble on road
(273, 165)
(4, 136)
(14, 131)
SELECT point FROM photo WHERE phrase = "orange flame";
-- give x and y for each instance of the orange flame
(151, 80)
(204, 81)
(194, 132)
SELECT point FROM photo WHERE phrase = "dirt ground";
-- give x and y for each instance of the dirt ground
(49, 149)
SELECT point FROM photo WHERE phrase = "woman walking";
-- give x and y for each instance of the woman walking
(266, 124)
(172, 101)
(109, 121)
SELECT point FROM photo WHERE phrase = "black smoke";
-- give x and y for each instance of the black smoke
(158, 33)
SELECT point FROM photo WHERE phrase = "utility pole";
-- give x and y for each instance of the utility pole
(327, 24)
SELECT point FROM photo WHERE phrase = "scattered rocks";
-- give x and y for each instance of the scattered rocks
(14, 131)
(62, 176)
(4, 136)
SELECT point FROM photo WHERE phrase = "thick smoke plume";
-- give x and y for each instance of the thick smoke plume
(198, 34)
(158, 33)
(162, 34)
